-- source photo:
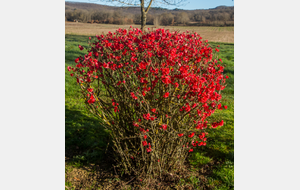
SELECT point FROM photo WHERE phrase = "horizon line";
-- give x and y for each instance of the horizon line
(151, 7)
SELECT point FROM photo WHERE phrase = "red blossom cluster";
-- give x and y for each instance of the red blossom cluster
(164, 127)
(156, 80)
(217, 124)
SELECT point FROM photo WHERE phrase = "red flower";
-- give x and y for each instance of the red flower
(191, 150)
(71, 74)
(202, 135)
(194, 144)
(180, 135)
(153, 110)
(163, 126)
(105, 65)
(227, 77)
(219, 106)
(187, 108)
(76, 60)
(166, 79)
(192, 134)
(215, 125)
(91, 100)
(149, 149)
(146, 116)
(166, 95)
(225, 107)
(116, 109)
(144, 143)
(176, 84)
(133, 96)
(145, 136)
(221, 123)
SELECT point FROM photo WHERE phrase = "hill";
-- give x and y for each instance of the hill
(97, 13)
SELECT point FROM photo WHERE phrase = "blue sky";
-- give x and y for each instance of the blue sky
(189, 4)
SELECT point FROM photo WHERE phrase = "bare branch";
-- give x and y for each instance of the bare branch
(149, 6)
(126, 2)
(142, 5)
(172, 2)
(134, 2)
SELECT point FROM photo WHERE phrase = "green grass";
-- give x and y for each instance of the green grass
(83, 133)
(220, 141)
(69, 186)
(198, 159)
(85, 139)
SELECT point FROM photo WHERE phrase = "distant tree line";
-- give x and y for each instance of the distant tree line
(215, 17)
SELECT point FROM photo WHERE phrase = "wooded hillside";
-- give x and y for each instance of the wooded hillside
(95, 13)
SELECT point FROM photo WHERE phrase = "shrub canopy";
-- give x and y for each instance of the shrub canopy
(154, 91)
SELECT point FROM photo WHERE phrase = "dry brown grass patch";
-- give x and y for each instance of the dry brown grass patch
(212, 34)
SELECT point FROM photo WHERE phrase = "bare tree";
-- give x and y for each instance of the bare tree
(166, 19)
(145, 6)
(182, 18)
(156, 21)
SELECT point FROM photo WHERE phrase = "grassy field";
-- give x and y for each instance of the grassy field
(212, 34)
(87, 165)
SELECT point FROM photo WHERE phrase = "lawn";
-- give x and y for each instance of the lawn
(86, 142)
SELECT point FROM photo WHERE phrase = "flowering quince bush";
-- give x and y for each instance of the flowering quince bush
(154, 90)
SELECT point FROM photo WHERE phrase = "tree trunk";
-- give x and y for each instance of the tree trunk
(144, 15)
(144, 18)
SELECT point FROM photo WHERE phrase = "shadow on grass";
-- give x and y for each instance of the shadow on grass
(88, 148)
(85, 139)
(220, 147)
(72, 50)
(77, 38)
(219, 155)
(228, 71)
